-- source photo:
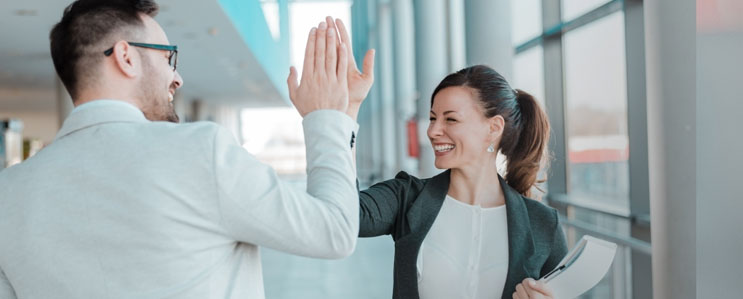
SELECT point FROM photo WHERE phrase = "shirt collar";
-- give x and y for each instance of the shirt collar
(100, 111)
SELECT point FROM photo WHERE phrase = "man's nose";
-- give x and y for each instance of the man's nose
(178, 80)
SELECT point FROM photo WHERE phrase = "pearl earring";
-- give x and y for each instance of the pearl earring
(491, 148)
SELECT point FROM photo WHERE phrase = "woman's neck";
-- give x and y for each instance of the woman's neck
(477, 185)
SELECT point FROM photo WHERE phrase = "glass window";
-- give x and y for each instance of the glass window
(596, 104)
(572, 9)
(275, 137)
(271, 13)
(528, 75)
(617, 282)
(526, 20)
(528, 72)
(303, 15)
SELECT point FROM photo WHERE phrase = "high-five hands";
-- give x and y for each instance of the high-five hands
(359, 83)
(324, 83)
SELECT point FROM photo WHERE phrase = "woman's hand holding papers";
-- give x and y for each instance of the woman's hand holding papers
(532, 289)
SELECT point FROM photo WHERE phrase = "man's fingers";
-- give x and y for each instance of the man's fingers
(343, 64)
(331, 53)
(368, 67)
(291, 82)
(309, 53)
(320, 47)
(346, 39)
(331, 24)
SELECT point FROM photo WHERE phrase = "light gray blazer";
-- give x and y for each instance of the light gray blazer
(121, 207)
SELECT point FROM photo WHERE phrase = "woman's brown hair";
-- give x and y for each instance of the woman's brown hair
(526, 131)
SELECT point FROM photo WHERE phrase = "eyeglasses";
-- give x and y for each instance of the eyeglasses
(172, 58)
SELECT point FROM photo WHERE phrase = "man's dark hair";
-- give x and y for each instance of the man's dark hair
(89, 27)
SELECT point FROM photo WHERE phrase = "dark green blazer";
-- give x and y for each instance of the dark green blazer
(405, 207)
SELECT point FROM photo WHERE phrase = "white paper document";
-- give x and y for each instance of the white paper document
(582, 268)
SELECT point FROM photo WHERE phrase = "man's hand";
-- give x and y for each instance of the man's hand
(324, 83)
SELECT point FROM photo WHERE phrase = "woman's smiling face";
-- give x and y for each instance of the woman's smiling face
(459, 131)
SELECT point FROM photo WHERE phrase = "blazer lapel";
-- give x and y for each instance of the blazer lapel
(427, 205)
(520, 240)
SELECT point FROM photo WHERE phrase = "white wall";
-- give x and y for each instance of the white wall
(719, 165)
(37, 108)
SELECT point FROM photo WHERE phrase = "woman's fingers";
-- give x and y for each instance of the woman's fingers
(347, 40)
(537, 288)
(520, 292)
(368, 66)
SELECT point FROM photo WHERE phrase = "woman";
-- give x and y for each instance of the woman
(468, 232)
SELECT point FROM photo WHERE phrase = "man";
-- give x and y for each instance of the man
(126, 204)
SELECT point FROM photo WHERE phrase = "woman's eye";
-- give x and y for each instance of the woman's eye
(451, 119)
(432, 119)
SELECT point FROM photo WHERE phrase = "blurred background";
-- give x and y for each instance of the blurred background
(637, 93)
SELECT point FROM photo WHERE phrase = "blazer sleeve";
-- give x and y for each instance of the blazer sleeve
(257, 207)
(559, 247)
(6, 290)
(382, 204)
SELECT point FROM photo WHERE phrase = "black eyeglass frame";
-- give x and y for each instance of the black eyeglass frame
(172, 48)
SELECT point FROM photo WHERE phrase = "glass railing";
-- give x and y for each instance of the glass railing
(612, 224)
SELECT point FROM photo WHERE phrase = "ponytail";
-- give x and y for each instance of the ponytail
(526, 149)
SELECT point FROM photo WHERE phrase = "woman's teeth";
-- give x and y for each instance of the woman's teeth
(443, 148)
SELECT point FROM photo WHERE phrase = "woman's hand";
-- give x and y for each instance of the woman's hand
(359, 83)
(531, 289)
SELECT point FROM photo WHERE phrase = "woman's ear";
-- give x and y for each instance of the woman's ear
(497, 124)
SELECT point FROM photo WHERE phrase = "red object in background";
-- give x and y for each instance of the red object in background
(599, 156)
(413, 147)
(719, 15)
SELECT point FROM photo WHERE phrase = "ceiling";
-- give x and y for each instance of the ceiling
(216, 64)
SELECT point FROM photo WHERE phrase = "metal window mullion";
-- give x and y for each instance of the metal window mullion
(559, 28)
(555, 100)
(637, 126)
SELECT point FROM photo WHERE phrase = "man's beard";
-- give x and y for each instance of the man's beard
(159, 109)
(156, 106)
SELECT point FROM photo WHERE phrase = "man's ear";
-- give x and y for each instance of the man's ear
(127, 59)
(497, 124)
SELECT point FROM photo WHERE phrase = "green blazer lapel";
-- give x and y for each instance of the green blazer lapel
(427, 205)
(420, 218)
(520, 239)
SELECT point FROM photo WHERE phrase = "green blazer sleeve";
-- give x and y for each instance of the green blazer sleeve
(383, 205)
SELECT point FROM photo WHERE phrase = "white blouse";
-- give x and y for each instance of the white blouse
(465, 254)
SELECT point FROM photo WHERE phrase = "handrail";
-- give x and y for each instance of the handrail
(634, 218)
(636, 244)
